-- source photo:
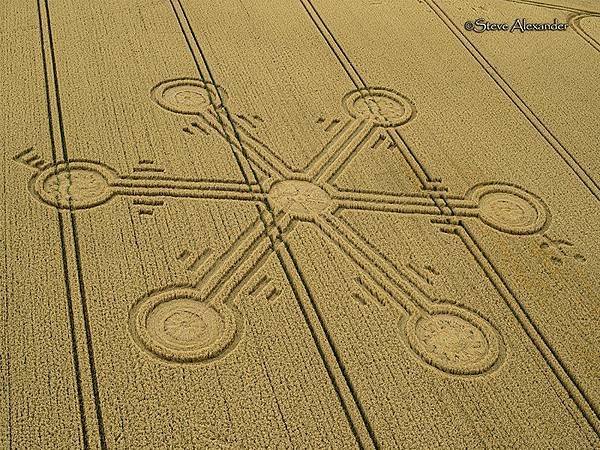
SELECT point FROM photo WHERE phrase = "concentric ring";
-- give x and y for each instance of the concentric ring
(382, 107)
(177, 326)
(74, 184)
(510, 209)
(454, 340)
(188, 96)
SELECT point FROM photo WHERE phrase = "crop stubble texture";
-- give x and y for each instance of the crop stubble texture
(252, 224)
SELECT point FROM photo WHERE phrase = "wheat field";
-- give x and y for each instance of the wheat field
(299, 224)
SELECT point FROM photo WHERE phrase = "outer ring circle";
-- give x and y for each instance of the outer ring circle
(488, 362)
(139, 315)
(37, 183)
(158, 94)
(360, 94)
(538, 205)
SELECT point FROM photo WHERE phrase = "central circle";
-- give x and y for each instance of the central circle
(301, 199)
(509, 209)
(185, 325)
(508, 212)
(190, 98)
(451, 339)
(177, 326)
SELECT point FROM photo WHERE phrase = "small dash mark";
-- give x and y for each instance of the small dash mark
(420, 274)
(148, 169)
(272, 294)
(199, 261)
(260, 285)
(332, 125)
(432, 270)
(23, 153)
(198, 127)
(359, 298)
(183, 255)
(30, 159)
(246, 120)
(448, 230)
(147, 202)
(379, 141)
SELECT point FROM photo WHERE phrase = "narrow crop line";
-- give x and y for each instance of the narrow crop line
(535, 121)
(552, 358)
(53, 101)
(64, 258)
(284, 264)
(331, 343)
(6, 318)
(575, 23)
(550, 6)
(560, 372)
